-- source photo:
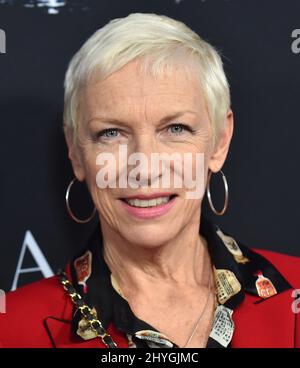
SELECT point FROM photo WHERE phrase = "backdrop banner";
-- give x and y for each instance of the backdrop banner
(260, 45)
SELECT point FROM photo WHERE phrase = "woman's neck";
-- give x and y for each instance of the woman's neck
(183, 261)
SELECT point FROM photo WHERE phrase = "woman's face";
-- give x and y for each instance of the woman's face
(146, 115)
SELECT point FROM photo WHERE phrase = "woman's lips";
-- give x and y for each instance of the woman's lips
(149, 206)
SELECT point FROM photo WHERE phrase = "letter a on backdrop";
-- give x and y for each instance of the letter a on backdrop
(43, 266)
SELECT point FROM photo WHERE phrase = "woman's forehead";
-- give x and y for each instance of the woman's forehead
(129, 87)
(139, 73)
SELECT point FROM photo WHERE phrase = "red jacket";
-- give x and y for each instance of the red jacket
(41, 306)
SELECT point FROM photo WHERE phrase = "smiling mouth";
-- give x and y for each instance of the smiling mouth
(148, 203)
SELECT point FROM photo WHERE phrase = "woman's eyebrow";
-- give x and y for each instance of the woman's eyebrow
(107, 120)
(176, 115)
(165, 119)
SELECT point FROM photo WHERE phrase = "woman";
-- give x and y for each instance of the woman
(155, 272)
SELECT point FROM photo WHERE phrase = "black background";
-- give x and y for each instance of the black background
(262, 167)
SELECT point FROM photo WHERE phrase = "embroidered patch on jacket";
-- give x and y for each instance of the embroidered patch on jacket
(223, 326)
(83, 268)
(227, 285)
(233, 247)
(264, 286)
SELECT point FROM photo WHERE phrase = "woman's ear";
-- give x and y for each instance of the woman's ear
(74, 154)
(220, 151)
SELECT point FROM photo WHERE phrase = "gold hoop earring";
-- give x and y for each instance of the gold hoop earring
(220, 213)
(73, 217)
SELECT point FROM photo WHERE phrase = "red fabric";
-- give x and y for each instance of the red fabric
(267, 323)
(271, 322)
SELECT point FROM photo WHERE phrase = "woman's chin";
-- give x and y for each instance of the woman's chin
(149, 237)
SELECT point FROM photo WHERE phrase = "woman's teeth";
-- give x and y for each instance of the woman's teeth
(147, 203)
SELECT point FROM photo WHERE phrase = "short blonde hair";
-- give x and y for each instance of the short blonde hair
(156, 40)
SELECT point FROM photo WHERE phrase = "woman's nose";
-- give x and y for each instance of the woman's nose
(142, 152)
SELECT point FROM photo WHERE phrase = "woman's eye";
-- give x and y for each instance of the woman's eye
(109, 133)
(177, 128)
